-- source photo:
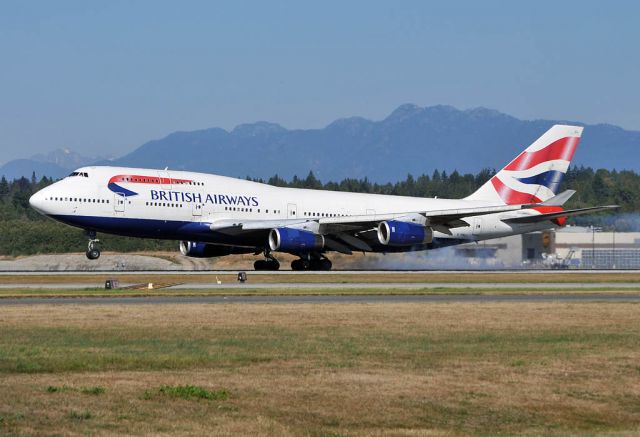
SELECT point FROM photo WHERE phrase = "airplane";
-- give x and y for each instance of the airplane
(213, 216)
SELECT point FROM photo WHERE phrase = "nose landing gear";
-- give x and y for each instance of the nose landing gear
(93, 252)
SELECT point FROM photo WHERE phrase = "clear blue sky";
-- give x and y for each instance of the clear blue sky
(104, 77)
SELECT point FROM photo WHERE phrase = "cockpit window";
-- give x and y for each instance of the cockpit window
(79, 173)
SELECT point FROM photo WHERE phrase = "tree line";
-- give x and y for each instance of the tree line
(23, 231)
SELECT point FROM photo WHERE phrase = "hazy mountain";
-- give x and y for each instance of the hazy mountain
(64, 158)
(55, 164)
(411, 139)
(25, 167)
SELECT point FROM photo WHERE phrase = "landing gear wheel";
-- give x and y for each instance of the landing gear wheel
(266, 264)
(92, 248)
(300, 264)
(314, 264)
(324, 264)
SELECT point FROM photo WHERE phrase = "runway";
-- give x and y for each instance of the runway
(343, 285)
(320, 299)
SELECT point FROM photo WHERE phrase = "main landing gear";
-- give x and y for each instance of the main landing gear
(92, 248)
(270, 263)
(311, 263)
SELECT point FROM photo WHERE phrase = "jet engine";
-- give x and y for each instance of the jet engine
(396, 233)
(294, 240)
(204, 250)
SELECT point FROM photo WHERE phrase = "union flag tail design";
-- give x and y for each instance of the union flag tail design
(535, 175)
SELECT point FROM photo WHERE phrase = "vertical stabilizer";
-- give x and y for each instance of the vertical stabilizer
(535, 175)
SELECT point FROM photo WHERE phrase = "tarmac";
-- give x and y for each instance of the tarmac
(342, 285)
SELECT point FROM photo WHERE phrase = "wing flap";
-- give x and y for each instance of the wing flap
(553, 215)
(354, 242)
(337, 246)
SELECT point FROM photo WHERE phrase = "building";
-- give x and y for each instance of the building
(570, 247)
(599, 250)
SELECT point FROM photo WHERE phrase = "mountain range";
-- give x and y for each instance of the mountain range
(55, 164)
(412, 139)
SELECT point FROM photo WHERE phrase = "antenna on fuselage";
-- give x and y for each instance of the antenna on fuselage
(166, 168)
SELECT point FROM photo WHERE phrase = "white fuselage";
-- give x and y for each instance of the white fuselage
(157, 204)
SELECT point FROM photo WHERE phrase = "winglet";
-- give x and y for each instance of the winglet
(560, 199)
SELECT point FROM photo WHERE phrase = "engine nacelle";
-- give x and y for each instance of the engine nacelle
(204, 250)
(294, 240)
(396, 233)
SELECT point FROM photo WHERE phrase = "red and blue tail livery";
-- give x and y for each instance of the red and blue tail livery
(536, 174)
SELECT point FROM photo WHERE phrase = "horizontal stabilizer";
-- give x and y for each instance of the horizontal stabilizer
(560, 199)
(554, 215)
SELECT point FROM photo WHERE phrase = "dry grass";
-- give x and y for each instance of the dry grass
(356, 369)
(363, 290)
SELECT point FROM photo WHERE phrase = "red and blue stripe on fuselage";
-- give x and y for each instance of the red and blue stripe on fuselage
(116, 181)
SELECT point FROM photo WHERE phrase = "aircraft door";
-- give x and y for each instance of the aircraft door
(476, 226)
(292, 210)
(119, 202)
(196, 209)
(198, 202)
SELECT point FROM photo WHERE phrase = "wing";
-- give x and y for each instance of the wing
(344, 234)
(450, 218)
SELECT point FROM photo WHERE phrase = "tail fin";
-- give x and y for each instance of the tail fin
(535, 175)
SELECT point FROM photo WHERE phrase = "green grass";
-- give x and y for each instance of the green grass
(33, 350)
(364, 290)
(79, 415)
(188, 392)
(97, 390)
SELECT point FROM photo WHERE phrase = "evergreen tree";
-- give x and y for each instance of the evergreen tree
(312, 182)
(4, 187)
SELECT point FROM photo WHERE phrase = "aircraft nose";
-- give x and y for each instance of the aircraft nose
(36, 201)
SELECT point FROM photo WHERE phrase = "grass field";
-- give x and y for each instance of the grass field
(323, 369)
(312, 291)
(395, 277)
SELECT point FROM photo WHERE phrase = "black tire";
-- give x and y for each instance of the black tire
(259, 265)
(273, 265)
(325, 264)
(93, 254)
(299, 265)
(318, 265)
(263, 264)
